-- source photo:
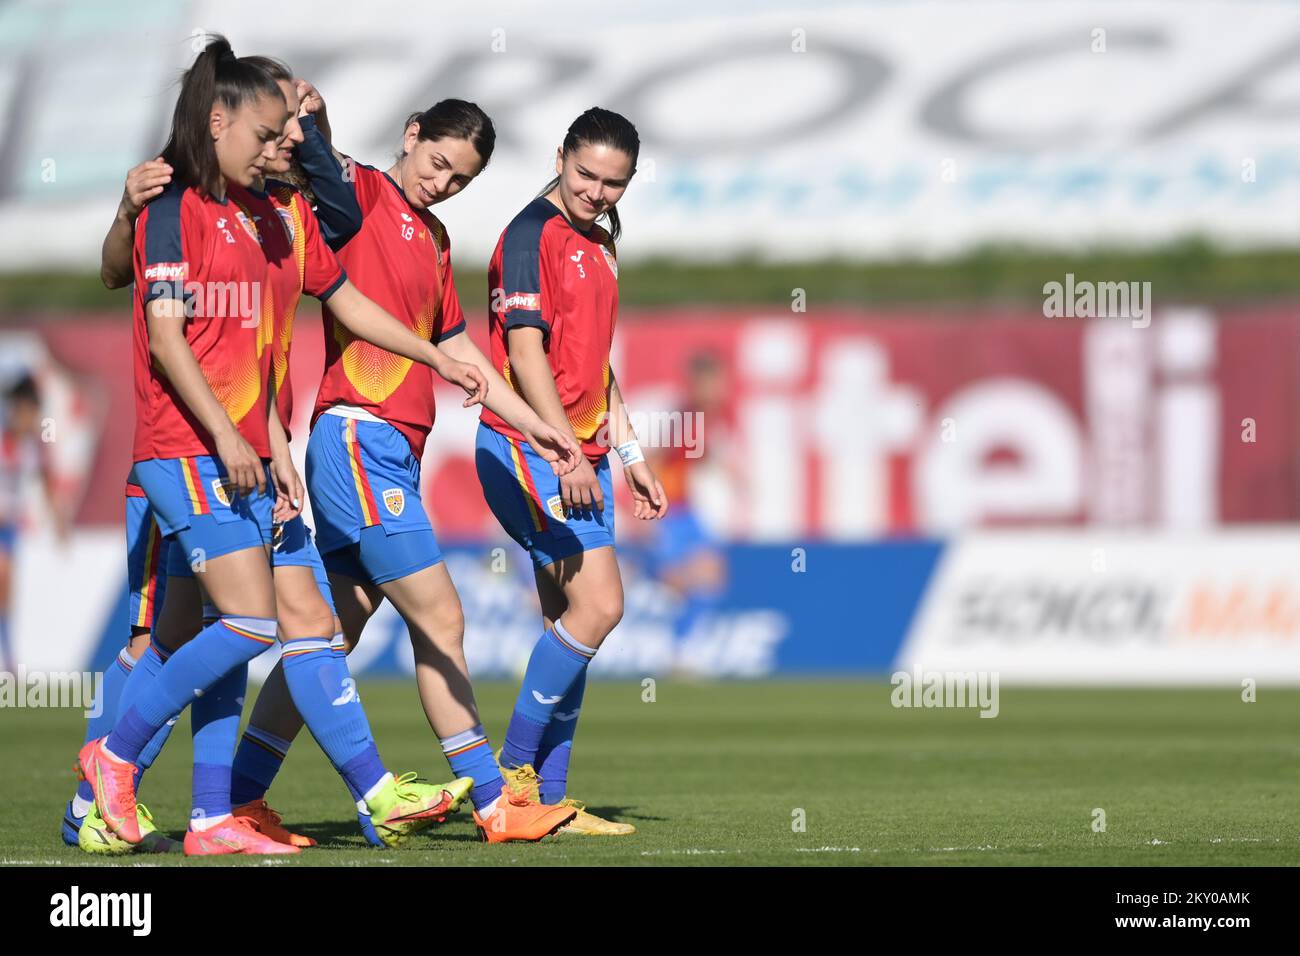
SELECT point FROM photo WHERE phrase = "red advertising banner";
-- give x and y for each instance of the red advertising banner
(847, 424)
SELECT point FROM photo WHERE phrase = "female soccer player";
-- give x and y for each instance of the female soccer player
(203, 386)
(373, 413)
(554, 285)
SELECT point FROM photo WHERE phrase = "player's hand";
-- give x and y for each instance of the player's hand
(288, 490)
(648, 498)
(311, 103)
(243, 467)
(580, 490)
(554, 445)
(467, 377)
(143, 183)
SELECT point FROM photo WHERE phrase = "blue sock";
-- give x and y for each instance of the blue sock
(470, 755)
(215, 719)
(257, 761)
(556, 663)
(326, 695)
(557, 744)
(142, 676)
(218, 649)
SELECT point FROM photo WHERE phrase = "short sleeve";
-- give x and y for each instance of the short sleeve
(523, 290)
(167, 235)
(322, 274)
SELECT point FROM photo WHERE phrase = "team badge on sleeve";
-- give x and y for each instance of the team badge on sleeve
(394, 501)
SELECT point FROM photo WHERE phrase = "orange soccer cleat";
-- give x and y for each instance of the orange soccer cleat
(113, 781)
(235, 835)
(271, 823)
(518, 817)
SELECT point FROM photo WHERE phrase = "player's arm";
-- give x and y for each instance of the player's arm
(143, 183)
(172, 356)
(366, 320)
(332, 175)
(648, 497)
(555, 444)
(288, 484)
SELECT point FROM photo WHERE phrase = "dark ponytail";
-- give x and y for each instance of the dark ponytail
(217, 76)
(598, 127)
(458, 119)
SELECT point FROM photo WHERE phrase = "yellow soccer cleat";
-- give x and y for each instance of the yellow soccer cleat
(588, 824)
(522, 780)
(94, 836)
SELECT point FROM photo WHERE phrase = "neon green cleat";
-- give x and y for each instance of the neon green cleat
(96, 837)
(403, 806)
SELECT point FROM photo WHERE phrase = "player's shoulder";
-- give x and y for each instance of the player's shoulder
(175, 201)
(528, 231)
(601, 237)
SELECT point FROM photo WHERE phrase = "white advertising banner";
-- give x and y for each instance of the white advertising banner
(783, 130)
(1081, 608)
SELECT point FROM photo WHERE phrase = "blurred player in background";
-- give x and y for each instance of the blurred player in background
(374, 411)
(553, 283)
(23, 459)
(683, 552)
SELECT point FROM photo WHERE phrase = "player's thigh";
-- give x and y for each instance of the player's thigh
(6, 578)
(354, 602)
(240, 583)
(300, 608)
(428, 602)
(181, 614)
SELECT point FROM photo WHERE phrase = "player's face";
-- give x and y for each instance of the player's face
(291, 136)
(247, 138)
(592, 179)
(434, 170)
(24, 417)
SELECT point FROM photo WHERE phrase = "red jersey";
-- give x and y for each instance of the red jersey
(547, 274)
(206, 252)
(300, 262)
(400, 258)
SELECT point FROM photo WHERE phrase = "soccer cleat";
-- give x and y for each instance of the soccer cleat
(113, 781)
(403, 806)
(71, 825)
(524, 780)
(457, 790)
(270, 823)
(235, 835)
(588, 824)
(516, 817)
(95, 836)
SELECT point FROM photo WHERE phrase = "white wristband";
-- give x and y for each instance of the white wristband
(629, 453)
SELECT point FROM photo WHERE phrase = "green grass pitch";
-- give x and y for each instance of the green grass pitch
(717, 774)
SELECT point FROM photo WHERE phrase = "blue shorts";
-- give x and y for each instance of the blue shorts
(291, 547)
(193, 504)
(8, 538)
(364, 484)
(524, 494)
(146, 562)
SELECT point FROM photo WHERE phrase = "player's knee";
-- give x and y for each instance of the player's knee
(595, 619)
(443, 630)
(305, 618)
